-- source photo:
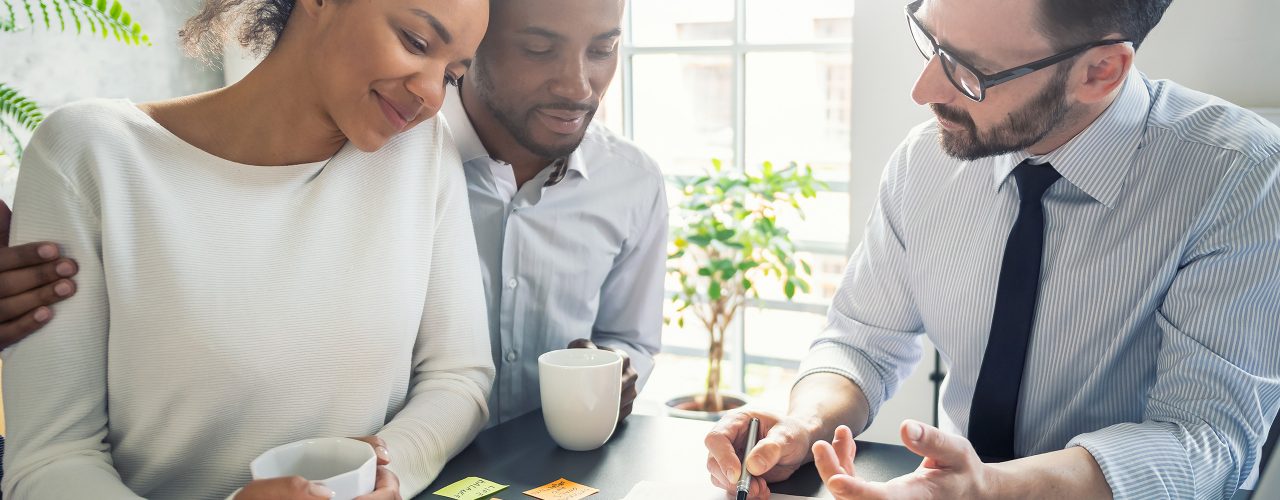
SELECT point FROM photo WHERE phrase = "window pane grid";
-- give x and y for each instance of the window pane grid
(707, 59)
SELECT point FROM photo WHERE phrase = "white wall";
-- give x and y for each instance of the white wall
(1230, 48)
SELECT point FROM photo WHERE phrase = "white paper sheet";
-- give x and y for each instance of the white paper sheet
(658, 490)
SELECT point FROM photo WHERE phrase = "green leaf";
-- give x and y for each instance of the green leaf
(44, 13)
(17, 110)
(714, 290)
(790, 290)
(31, 16)
(103, 18)
(20, 109)
(705, 271)
(8, 24)
(13, 138)
(807, 269)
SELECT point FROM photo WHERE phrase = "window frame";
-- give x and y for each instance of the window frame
(738, 48)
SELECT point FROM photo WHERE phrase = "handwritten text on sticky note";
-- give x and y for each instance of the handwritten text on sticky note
(562, 489)
(471, 488)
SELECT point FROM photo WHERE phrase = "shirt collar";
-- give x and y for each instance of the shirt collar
(1098, 159)
(464, 134)
(470, 147)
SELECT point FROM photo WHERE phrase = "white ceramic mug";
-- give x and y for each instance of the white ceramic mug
(580, 392)
(346, 466)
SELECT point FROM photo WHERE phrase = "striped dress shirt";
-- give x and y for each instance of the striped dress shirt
(1155, 339)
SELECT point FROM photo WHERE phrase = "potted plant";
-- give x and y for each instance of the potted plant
(726, 240)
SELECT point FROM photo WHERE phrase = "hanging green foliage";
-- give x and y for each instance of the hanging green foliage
(98, 17)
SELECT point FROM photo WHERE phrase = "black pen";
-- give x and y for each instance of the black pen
(744, 479)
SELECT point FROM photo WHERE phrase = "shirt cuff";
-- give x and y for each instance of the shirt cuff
(852, 364)
(1140, 460)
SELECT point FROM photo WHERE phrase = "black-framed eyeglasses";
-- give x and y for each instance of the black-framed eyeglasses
(967, 79)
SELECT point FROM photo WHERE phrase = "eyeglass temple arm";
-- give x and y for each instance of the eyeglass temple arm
(1004, 76)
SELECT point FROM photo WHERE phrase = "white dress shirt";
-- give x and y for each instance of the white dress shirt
(1154, 345)
(583, 257)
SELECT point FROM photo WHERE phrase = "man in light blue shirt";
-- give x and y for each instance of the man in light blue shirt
(570, 219)
(1095, 255)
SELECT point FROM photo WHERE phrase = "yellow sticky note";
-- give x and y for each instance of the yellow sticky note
(562, 489)
(471, 488)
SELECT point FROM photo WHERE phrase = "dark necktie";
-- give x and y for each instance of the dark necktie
(995, 400)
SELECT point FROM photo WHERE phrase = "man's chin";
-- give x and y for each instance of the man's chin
(957, 144)
(552, 145)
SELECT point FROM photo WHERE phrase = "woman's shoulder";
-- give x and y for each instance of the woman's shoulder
(91, 114)
(85, 125)
(424, 144)
(80, 140)
(431, 133)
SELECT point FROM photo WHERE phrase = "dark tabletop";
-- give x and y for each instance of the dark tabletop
(522, 455)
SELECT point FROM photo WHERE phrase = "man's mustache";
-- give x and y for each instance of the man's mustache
(952, 115)
(567, 106)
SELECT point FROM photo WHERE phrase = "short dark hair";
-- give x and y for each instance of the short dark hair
(1069, 23)
(255, 24)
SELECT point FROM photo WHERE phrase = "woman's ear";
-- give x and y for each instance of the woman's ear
(311, 7)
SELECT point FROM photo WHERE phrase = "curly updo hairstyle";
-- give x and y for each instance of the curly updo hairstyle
(255, 24)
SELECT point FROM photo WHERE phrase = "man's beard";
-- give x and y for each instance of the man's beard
(517, 122)
(1024, 127)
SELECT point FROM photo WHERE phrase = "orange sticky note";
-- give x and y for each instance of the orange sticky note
(562, 489)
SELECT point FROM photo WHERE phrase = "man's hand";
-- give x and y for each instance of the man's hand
(950, 469)
(32, 278)
(629, 377)
(783, 448)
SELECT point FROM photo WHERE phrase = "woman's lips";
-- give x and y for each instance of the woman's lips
(392, 113)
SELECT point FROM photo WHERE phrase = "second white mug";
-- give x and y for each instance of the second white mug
(580, 392)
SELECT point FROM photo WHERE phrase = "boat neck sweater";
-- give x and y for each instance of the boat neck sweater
(224, 309)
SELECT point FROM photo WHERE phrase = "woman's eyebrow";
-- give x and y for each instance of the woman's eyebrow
(442, 31)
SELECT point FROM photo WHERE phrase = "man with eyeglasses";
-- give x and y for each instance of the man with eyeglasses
(1096, 256)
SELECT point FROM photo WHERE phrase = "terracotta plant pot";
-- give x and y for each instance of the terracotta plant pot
(690, 406)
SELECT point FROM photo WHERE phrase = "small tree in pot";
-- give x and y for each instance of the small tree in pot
(726, 240)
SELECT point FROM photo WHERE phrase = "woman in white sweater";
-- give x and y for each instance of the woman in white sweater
(289, 257)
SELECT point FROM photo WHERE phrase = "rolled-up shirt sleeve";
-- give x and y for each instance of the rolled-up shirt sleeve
(1217, 384)
(873, 327)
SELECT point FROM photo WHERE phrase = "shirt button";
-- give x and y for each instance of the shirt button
(511, 283)
(511, 356)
